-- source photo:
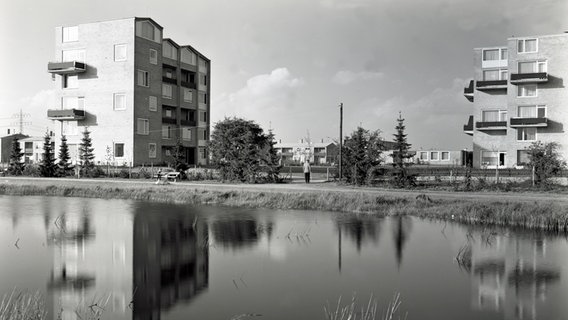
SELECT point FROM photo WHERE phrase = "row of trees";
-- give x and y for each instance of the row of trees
(60, 167)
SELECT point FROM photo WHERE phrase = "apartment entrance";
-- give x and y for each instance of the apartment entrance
(502, 156)
(190, 156)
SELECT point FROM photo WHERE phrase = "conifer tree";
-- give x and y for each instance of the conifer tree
(16, 166)
(64, 167)
(47, 167)
(179, 157)
(362, 152)
(271, 158)
(86, 154)
(401, 154)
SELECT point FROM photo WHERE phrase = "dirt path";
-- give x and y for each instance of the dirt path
(300, 187)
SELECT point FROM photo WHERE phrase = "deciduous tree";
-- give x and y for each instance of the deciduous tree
(546, 161)
(361, 155)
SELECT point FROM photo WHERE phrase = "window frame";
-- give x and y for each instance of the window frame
(114, 104)
(442, 156)
(145, 127)
(66, 39)
(187, 91)
(120, 45)
(145, 78)
(524, 41)
(183, 131)
(115, 149)
(153, 60)
(171, 91)
(150, 150)
(65, 81)
(522, 132)
(522, 91)
(436, 158)
(152, 103)
(169, 135)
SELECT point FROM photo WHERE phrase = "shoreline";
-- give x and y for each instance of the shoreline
(546, 212)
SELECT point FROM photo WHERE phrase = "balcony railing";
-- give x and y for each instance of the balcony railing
(189, 85)
(169, 120)
(169, 80)
(468, 128)
(491, 125)
(536, 77)
(69, 67)
(468, 91)
(66, 114)
(491, 85)
(529, 122)
(190, 123)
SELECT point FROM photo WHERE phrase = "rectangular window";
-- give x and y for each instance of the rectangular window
(143, 78)
(70, 128)
(504, 73)
(204, 134)
(120, 101)
(445, 156)
(168, 152)
(531, 111)
(522, 157)
(143, 126)
(490, 116)
(504, 54)
(532, 66)
(202, 154)
(526, 134)
(423, 155)
(73, 55)
(202, 65)
(70, 81)
(120, 52)
(186, 134)
(489, 158)
(153, 56)
(187, 95)
(490, 75)
(168, 113)
(491, 54)
(151, 150)
(527, 45)
(203, 116)
(73, 103)
(152, 103)
(167, 91)
(527, 90)
(203, 79)
(434, 156)
(70, 34)
(119, 150)
(166, 132)
(202, 98)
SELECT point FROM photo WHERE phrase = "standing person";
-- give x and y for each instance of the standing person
(307, 171)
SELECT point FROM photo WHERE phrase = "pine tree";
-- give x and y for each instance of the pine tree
(64, 167)
(86, 154)
(16, 166)
(271, 158)
(47, 167)
(401, 154)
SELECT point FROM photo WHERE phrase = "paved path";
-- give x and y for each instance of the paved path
(299, 186)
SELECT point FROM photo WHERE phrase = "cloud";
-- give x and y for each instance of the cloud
(272, 92)
(347, 77)
(345, 4)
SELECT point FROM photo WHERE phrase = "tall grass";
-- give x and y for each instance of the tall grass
(551, 217)
(22, 306)
(365, 312)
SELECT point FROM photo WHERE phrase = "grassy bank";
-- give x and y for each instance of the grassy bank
(546, 216)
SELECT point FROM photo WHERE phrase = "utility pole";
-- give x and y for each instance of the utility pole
(340, 140)
(21, 123)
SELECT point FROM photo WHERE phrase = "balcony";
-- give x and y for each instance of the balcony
(468, 128)
(189, 85)
(169, 120)
(69, 67)
(468, 91)
(529, 122)
(491, 125)
(66, 114)
(189, 123)
(536, 77)
(491, 85)
(169, 80)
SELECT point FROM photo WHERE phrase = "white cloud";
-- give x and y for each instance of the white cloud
(346, 77)
(272, 92)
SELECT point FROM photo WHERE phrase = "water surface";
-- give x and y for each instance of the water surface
(143, 260)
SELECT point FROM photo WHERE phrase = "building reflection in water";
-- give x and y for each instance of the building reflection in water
(171, 261)
(510, 274)
(134, 266)
(240, 232)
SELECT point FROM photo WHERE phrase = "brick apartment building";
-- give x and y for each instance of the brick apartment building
(519, 96)
(137, 92)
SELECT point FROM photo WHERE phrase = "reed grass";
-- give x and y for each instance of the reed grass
(545, 216)
(22, 306)
(367, 311)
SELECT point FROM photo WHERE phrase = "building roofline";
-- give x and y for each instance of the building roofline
(172, 42)
(196, 51)
(563, 34)
(150, 19)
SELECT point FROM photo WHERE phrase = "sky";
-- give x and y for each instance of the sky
(288, 64)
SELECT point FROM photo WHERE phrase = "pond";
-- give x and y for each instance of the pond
(139, 260)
